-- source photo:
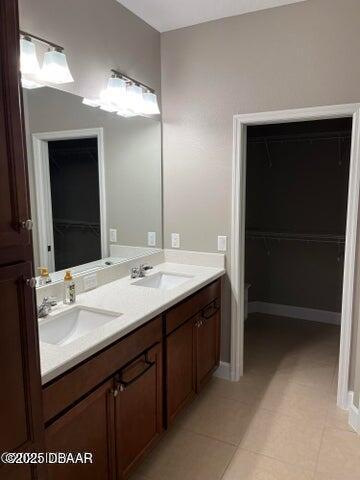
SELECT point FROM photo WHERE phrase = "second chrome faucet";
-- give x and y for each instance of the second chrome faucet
(140, 271)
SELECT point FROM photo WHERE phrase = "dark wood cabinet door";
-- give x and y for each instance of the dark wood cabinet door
(138, 411)
(86, 427)
(207, 343)
(20, 398)
(180, 369)
(13, 178)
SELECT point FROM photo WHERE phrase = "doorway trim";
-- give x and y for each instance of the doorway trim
(43, 194)
(237, 264)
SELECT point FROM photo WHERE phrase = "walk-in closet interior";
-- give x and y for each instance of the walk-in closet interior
(296, 202)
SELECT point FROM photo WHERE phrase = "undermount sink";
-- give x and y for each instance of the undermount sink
(162, 281)
(72, 324)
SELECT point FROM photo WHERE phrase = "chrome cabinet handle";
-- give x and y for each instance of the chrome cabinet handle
(115, 392)
(27, 224)
(122, 384)
(209, 311)
(31, 282)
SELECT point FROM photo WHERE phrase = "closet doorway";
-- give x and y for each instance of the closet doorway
(294, 234)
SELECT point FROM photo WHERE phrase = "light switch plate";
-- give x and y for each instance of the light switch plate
(90, 282)
(222, 241)
(151, 239)
(113, 235)
(175, 240)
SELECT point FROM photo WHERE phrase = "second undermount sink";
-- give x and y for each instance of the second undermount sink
(72, 324)
(162, 280)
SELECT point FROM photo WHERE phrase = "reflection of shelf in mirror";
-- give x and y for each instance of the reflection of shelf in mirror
(299, 237)
(63, 224)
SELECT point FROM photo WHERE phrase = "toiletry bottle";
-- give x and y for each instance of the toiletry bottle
(69, 288)
(44, 276)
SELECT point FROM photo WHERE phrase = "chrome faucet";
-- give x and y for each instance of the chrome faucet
(140, 271)
(45, 307)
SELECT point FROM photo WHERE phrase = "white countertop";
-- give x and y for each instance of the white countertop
(137, 305)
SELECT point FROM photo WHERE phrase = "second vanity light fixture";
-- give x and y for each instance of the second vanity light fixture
(54, 69)
(126, 97)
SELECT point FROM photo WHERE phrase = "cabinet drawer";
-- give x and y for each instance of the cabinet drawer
(72, 385)
(191, 306)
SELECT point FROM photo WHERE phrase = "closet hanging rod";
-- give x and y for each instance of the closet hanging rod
(338, 135)
(300, 237)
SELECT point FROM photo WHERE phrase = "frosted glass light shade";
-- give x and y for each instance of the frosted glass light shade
(29, 63)
(55, 68)
(115, 93)
(151, 106)
(134, 99)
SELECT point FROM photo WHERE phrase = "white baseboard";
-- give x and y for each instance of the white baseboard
(312, 314)
(354, 414)
(223, 371)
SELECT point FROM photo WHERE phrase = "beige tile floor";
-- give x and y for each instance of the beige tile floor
(280, 422)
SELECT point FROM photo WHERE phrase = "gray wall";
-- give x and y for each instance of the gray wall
(97, 36)
(288, 57)
(132, 148)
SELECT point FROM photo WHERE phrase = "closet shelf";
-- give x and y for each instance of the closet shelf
(64, 224)
(308, 137)
(299, 237)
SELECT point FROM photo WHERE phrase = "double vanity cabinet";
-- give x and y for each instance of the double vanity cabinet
(117, 403)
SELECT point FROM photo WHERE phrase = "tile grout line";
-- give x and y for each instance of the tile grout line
(321, 444)
(254, 452)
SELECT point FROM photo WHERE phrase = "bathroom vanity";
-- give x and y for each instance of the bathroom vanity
(117, 402)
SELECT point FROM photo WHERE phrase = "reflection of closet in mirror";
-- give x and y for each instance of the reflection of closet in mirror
(69, 184)
(74, 172)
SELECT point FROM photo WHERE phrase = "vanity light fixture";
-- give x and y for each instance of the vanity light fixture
(113, 98)
(29, 63)
(125, 96)
(55, 68)
(134, 97)
(151, 106)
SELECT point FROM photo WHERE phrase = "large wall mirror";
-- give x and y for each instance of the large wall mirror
(95, 182)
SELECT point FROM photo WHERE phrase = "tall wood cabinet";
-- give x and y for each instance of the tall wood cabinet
(20, 399)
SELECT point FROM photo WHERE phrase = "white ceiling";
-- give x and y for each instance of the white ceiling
(167, 15)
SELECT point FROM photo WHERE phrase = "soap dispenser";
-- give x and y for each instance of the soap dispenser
(69, 288)
(44, 278)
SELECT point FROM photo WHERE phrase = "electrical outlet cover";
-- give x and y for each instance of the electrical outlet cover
(90, 281)
(222, 240)
(113, 235)
(151, 239)
(175, 240)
